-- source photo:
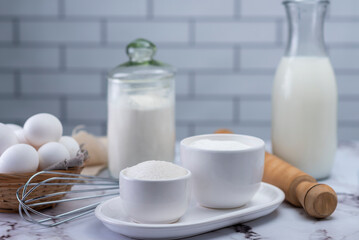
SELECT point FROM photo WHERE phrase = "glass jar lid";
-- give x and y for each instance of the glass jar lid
(141, 65)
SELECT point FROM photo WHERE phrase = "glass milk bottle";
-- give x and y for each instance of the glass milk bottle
(304, 97)
(141, 119)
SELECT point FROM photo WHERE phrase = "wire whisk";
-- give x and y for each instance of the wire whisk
(84, 188)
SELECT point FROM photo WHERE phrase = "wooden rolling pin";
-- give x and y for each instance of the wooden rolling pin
(301, 190)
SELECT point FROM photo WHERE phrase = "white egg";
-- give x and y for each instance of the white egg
(7, 138)
(42, 128)
(20, 135)
(19, 158)
(71, 145)
(52, 152)
(14, 127)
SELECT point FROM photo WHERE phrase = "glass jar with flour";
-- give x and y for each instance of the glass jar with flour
(141, 119)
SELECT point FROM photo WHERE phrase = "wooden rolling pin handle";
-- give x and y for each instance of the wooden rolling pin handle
(318, 200)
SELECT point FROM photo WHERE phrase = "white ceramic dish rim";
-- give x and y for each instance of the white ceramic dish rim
(260, 145)
(188, 175)
(279, 199)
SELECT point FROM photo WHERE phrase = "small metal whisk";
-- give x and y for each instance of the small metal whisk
(83, 185)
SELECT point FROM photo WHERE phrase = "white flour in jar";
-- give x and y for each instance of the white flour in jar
(140, 127)
(155, 170)
(221, 145)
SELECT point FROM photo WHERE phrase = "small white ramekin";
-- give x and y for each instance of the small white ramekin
(155, 201)
(224, 178)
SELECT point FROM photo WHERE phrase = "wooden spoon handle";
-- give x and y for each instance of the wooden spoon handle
(301, 190)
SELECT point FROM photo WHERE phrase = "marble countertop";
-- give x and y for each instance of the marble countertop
(286, 222)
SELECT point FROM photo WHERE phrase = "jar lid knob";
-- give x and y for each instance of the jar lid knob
(140, 50)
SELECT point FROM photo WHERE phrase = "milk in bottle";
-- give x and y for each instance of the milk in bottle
(304, 100)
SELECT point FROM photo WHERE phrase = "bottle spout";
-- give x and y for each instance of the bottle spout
(305, 27)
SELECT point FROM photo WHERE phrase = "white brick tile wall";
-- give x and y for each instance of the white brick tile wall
(204, 110)
(254, 110)
(344, 58)
(342, 32)
(21, 109)
(348, 133)
(233, 84)
(7, 85)
(260, 58)
(335, 31)
(113, 8)
(236, 32)
(261, 131)
(348, 110)
(94, 58)
(194, 8)
(28, 8)
(25, 57)
(260, 8)
(347, 8)
(156, 31)
(182, 132)
(6, 31)
(182, 84)
(192, 58)
(348, 84)
(59, 32)
(54, 55)
(86, 110)
(63, 84)
(260, 110)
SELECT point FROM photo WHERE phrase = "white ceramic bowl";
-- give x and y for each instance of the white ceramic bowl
(155, 201)
(224, 178)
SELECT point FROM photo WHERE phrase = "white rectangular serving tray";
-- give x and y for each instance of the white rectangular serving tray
(196, 220)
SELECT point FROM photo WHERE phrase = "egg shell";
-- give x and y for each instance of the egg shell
(19, 158)
(71, 145)
(42, 128)
(51, 153)
(7, 138)
(20, 135)
(14, 127)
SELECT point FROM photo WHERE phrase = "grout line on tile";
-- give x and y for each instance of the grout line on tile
(192, 85)
(192, 32)
(62, 57)
(16, 31)
(150, 9)
(104, 128)
(17, 84)
(61, 9)
(236, 110)
(103, 31)
(237, 8)
(104, 84)
(236, 58)
(279, 32)
(191, 129)
(63, 109)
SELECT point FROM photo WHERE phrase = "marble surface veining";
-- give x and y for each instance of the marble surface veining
(286, 222)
